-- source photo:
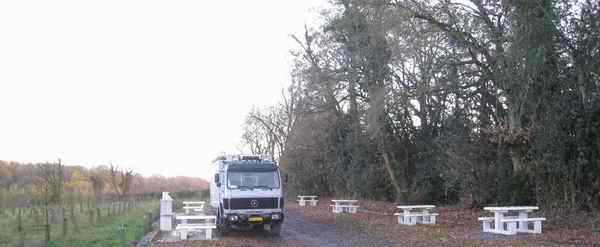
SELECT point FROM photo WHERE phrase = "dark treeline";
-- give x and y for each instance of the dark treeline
(485, 102)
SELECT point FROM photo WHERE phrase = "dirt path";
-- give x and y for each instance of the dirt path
(298, 228)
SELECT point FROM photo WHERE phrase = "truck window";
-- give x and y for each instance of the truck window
(268, 179)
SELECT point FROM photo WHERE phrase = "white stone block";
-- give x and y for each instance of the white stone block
(166, 212)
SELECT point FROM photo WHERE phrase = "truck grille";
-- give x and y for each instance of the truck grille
(251, 203)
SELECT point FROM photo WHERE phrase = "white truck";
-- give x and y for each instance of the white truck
(247, 193)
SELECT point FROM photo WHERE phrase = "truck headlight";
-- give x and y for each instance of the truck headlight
(233, 218)
(275, 217)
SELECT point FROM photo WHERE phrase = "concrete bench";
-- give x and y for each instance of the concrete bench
(344, 208)
(205, 218)
(413, 218)
(193, 208)
(523, 225)
(510, 220)
(310, 202)
(183, 229)
(191, 203)
(487, 223)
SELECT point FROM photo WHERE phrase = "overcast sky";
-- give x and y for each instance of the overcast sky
(158, 86)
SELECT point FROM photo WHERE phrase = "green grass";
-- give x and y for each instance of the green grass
(118, 231)
(106, 232)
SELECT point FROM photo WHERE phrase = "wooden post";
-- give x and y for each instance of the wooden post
(91, 216)
(51, 215)
(74, 219)
(148, 221)
(36, 215)
(46, 226)
(65, 225)
(97, 215)
(20, 230)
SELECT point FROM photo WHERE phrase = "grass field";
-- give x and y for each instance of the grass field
(118, 225)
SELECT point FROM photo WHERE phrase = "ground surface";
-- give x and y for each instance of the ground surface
(375, 226)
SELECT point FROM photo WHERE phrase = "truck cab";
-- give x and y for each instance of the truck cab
(247, 193)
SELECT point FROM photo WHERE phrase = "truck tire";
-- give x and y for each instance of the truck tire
(275, 229)
(223, 231)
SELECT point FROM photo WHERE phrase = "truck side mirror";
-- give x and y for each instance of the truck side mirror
(217, 180)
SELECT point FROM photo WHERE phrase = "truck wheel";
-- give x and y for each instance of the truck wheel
(223, 230)
(275, 229)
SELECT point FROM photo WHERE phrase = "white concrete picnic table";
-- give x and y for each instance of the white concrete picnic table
(515, 224)
(344, 201)
(194, 202)
(190, 205)
(202, 218)
(185, 218)
(311, 199)
(410, 207)
(413, 214)
(207, 223)
(194, 208)
(344, 206)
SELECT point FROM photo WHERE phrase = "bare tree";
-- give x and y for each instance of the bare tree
(120, 180)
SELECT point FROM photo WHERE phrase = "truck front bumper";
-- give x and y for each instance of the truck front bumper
(254, 219)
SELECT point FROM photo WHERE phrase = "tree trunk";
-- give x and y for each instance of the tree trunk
(513, 128)
(388, 167)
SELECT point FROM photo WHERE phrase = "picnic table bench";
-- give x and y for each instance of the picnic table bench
(312, 200)
(194, 202)
(344, 206)
(189, 209)
(189, 206)
(507, 224)
(413, 214)
(206, 223)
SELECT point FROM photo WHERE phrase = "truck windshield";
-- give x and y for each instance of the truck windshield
(252, 180)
